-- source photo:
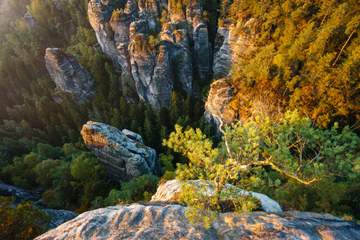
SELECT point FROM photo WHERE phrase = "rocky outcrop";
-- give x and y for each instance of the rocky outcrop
(169, 222)
(170, 190)
(18, 193)
(217, 109)
(154, 52)
(68, 75)
(122, 152)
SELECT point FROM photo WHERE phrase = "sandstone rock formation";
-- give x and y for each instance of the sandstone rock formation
(134, 136)
(68, 75)
(153, 51)
(170, 190)
(123, 153)
(217, 109)
(169, 222)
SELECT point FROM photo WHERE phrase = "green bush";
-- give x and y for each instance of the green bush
(261, 153)
(137, 189)
(69, 178)
(21, 222)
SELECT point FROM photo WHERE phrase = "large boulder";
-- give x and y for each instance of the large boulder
(122, 152)
(170, 191)
(138, 221)
(68, 75)
(152, 52)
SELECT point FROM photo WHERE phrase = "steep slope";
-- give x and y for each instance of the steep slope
(284, 54)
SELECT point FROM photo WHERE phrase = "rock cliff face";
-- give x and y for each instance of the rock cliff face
(233, 43)
(68, 75)
(122, 152)
(170, 190)
(169, 222)
(217, 109)
(153, 51)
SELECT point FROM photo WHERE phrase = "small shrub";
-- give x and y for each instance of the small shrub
(21, 222)
(137, 189)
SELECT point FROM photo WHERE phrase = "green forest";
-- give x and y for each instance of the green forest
(297, 95)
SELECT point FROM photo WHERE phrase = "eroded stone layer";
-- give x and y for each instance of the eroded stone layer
(123, 153)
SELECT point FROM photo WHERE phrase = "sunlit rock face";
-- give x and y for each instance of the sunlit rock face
(122, 152)
(138, 221)
(154, 44)
(69, 76)
(217, 109)
(234, 43)
(171, 190)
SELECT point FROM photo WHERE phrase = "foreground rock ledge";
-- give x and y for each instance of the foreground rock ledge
(169, 222)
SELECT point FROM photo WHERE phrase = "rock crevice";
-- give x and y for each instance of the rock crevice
(234, 43)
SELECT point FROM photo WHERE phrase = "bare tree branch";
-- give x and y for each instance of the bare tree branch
(224, 135)
(343, 47)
